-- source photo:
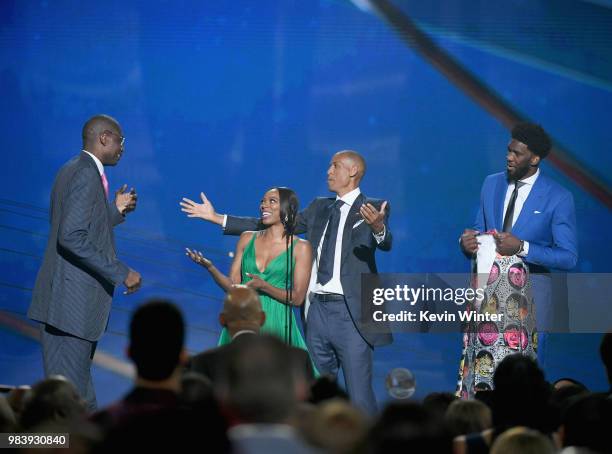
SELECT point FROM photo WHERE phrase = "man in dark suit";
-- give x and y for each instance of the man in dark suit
(80, 270)
(534, 218)
(243, 316)
(346, 231)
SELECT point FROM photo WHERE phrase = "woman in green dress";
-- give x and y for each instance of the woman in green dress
(273, 262)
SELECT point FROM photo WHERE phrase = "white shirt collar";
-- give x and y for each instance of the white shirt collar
(350, 197)
(97, 161)
(243, 331)
(532, 179)
(262, 430)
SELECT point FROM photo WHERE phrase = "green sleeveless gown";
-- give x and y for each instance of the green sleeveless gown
(275, 310)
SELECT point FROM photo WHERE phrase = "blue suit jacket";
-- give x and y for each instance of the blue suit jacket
(548, 222)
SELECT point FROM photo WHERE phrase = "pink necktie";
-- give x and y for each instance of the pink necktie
(105, 184)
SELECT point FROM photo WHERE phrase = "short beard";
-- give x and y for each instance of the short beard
(518, 174)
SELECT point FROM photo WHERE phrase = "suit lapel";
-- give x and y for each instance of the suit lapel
(353, 216)
(320, 221)
(533, 201)
(498, 203)
(90, 162)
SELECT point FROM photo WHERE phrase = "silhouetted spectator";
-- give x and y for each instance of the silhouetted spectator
(521, 440)
(261, 394)
(54, 399)
(17, 397)
(566, 381)
(407, 427)
(324, 388)
(437, 404)
(564, 396)
(196, 389)
(150, 417)
(468, 416)
(8, 422)
(587, 422)
(335, 426)
(521, 397)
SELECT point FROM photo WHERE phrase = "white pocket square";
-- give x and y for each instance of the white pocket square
(358, 223)
(537, 212)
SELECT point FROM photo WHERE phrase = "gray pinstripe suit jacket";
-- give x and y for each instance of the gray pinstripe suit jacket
(80, 269)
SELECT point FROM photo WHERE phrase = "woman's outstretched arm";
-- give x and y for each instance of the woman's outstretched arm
(223, 281)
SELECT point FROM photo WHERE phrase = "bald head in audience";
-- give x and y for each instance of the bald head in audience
(242, 310)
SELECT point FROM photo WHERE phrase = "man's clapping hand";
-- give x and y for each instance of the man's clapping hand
(125, 201)
(132, 282)
(468, 241)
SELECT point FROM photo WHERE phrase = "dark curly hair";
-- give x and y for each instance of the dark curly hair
(289, 207)
(534, 137)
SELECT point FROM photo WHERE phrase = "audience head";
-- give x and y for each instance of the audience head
(437, 404)
(8, 422)
(562, 398)
(336, 426)
(17, 397)
(52, 400)
(408, 427)
(259, 387)
(242, 310)
(586, 423)
(522, 395)
(522, 440)
(468, 416)
(157, 334)
(324, 388)
(196, 390)
(566, 381)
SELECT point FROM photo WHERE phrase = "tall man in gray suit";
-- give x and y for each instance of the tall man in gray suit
(80, 270)
(346, 231)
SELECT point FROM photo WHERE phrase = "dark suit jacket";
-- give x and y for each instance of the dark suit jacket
(358, 251)
(211, 363)
(80, 269)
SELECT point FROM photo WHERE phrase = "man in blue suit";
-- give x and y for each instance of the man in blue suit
(80, 270)
(534, 218)
(345, 230)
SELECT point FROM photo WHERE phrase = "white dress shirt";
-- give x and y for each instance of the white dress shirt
(334, 285)
(97, 161)
(522, 195)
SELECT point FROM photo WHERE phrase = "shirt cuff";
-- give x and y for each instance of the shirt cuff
(525, 250)
(380, 237)
(224, 221)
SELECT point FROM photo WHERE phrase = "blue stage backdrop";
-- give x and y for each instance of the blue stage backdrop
(234, 97)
